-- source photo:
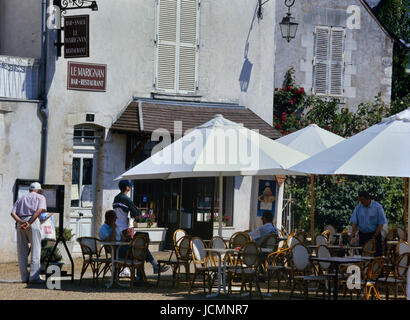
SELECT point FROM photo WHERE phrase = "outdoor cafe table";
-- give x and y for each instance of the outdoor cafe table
(114, 246)
(336, 262)
(221, 275)
(339, 248)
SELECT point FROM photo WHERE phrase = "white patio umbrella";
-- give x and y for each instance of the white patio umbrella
(219, 148)
(311, 140)
(381, 150)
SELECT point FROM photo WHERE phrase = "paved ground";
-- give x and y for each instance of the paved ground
(12, 289)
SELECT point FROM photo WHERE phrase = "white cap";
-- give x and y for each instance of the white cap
(35, 186)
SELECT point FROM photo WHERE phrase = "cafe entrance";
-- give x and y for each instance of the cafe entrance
(190, 204)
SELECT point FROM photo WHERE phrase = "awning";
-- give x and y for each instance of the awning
(146, 116)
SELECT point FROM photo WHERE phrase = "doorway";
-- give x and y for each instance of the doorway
(83, 187)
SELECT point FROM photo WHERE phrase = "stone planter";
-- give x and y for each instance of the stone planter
(216, 224)
(140, 225)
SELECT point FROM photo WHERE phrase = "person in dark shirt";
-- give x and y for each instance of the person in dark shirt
(123, 205)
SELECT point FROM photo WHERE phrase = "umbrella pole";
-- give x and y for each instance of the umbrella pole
(220, 204)
(312, 208)
(406, 199)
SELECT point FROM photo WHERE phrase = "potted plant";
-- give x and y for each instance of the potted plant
(67, 237)
(140, 221)
(150, 219)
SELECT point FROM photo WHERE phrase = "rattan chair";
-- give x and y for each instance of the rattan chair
(217, 242)
(302, 271)
(247, 271)
(239, 239)
(369, 248)
(291, 241)
(174, 263)
(277, 263)
(399, 276)
(372, 273)
(270, 241)
(333, 231)
(135, 257)
(95, 256)
(202, 264)
(402, 247)
(401, 234)
(321, 240)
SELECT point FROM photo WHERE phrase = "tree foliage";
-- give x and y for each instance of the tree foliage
(335, 196)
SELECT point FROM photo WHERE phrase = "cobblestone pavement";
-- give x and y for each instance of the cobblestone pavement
(12, 289)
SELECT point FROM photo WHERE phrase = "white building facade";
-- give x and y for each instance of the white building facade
(161, 57)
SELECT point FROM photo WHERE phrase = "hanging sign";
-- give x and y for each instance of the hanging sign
(76, 36)
(86, 76)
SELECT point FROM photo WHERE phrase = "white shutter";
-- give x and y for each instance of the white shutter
(176, 57)
(337, 61)
(187, 51)
(166, 46)
(321, 60)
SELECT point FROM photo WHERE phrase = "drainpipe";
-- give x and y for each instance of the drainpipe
(43, 110)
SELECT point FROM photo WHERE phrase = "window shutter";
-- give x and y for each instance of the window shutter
(187, 46)
(321, 60)
(166, 46)
(337, 61)
(176, 54)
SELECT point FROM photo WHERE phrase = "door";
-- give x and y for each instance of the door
(83, 194)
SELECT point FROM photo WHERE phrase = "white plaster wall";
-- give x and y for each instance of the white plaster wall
(19, 158)
(20, 28)
(122, 37)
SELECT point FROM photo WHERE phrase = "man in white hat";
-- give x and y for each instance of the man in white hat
(26, 210)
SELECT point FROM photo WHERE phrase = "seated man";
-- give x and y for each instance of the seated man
(110, 233)
(268, 228)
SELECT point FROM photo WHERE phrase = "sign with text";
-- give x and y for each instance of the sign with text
(76, 37)
(86, 76)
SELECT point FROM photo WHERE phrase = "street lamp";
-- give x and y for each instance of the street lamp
(76, 4)
(288, 26)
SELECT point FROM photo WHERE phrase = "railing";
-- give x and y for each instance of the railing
(19, 78)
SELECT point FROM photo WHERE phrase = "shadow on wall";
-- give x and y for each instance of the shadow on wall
(245, 76)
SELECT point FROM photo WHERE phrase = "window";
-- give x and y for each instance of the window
(328, 63)
(177, 46)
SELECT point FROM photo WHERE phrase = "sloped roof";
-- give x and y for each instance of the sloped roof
(148, 116)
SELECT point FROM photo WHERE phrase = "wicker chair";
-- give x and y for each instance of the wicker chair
(302, 271)
(270, 241)
(135, 257)
(372, 274)
(402, 247)
(94, 256)
(217, 243)
(247, 271)
(239, 239)
(202, 264)
(174, 263)
(292, 240)
(277, 263)
(332, 231)
(399, 276)
(321, 240)
(369, 248)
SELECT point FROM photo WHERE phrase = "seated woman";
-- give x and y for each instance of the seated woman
(110, 233)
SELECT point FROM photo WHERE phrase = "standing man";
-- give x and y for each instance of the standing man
(26, 210)
(368, 219)
(123, 204)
